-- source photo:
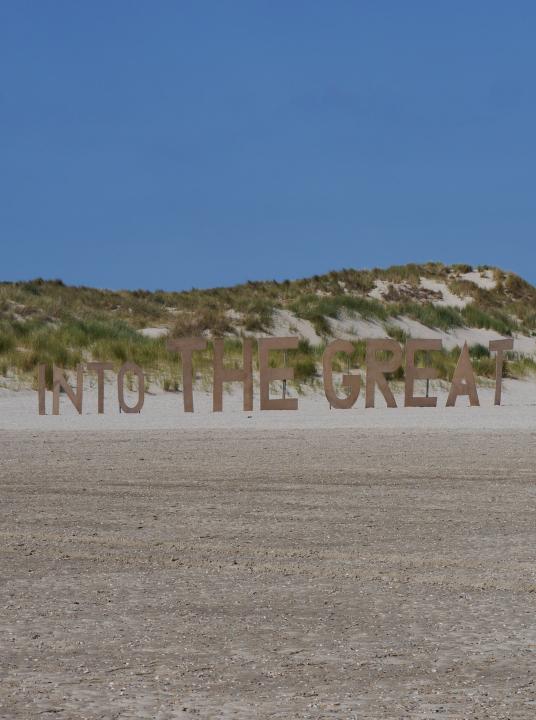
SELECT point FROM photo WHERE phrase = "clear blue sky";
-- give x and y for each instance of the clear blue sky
(179, 144)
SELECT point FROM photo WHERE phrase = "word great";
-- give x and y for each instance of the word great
(463, 381)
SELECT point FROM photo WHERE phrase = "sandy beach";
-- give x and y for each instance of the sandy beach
(164, 411)
(245, 248)
(351, 572)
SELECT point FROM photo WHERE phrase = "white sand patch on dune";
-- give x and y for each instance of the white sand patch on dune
(525, 345)
(471, 336)
(354, 327)
(415, 329)
(234, 316)
(428, 290)
(451, 338)
(285, 323)
(449, 299)
(381, 288)
(484, 279)
(154, 332)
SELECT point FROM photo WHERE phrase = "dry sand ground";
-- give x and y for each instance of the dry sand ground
(277, 574)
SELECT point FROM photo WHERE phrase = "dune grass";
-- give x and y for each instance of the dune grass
(48, 321)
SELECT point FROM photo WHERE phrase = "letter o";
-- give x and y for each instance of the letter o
(130, 367)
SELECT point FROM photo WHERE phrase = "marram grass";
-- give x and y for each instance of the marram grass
(50, 322)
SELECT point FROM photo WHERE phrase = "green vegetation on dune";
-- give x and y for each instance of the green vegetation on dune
(48, 321)
(433, 316)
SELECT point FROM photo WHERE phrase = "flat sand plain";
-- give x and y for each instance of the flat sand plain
(343, 573)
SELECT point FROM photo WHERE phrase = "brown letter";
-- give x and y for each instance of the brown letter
(186, 346)
(268, 374)
(130, 367)
(499, 346)
(99, 368)
(222, 375)
(463, 381)
(417, 373)
(376, 370)
(59, 381)
(41, 388)
(353, 382)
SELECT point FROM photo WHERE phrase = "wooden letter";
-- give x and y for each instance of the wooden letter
(59, 382)
(463, 381)
(499, 346)
(222, 375)
(376, 370)
(186, 346)
(130, 367)
(41, 388)
(268, 374)
(353, 382)
(417, 373)
(99, 368)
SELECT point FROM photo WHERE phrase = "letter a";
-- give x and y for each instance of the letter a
(463, 381)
